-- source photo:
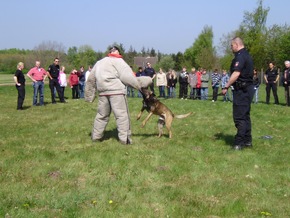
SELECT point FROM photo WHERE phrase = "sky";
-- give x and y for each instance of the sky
(167, 26)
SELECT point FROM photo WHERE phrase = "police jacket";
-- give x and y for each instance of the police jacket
(54, 71)
(243, 63)
(271, 75)
(183, 78)
(149, 71)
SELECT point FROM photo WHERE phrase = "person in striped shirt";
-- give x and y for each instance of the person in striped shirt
(215, 84)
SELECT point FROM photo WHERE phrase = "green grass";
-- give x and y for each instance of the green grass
(6, 79)
(50, 168)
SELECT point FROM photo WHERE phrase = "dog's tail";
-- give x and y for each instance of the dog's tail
(182, 115)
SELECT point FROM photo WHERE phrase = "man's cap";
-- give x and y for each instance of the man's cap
(114, 48)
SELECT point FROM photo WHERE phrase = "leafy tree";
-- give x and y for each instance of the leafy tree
(178, 60)
(99, 55)
(225, 61)
(10, 57)
(47, 51)
(202, 52)
(87, 55)
(130, 55)
(284, 45)
(166, 63)
(255, 35)
(73, 57)
(152, 52)
(252, 30)
(143, 51)
(277, 44)
(8, 62)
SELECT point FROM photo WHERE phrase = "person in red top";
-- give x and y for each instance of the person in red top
(37, 74)
(198, 84)
(74, 83)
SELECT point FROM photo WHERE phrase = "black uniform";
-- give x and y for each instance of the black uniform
(183, 83)
(54, 72)
(21, 89)
(149, 71)
(242, 97)
(271, 77)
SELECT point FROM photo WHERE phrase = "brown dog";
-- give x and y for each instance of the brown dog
(154, 106)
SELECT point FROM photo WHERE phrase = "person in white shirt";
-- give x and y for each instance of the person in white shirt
(62, 79)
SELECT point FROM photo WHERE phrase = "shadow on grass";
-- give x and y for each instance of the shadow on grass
(108, 134)
(229, 139)
(113, 133)
(26, 107)
(150, 135)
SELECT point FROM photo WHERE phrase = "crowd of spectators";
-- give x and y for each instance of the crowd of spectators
(198, 84)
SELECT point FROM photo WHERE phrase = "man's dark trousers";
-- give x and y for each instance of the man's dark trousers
(241, 114)
(273, 86)
(54, 83)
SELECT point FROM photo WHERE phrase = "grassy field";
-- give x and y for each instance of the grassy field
(50, 168)
(6, 79)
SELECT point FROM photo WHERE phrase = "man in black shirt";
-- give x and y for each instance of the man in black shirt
(242, 81)
(271, 77)
(53, 73)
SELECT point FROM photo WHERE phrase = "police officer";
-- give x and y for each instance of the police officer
(242, 81)
(271, 77)
(53, 73)
(149, 71)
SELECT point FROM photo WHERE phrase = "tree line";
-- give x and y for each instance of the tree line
(264, 43)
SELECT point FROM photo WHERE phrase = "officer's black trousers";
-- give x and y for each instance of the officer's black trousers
(241, 114)
(21, 95)
(183, 90)
(54, 83)
(273, 86)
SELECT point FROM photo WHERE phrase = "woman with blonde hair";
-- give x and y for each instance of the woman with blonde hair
(19, 80)
(161, 82)
(171, 83)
